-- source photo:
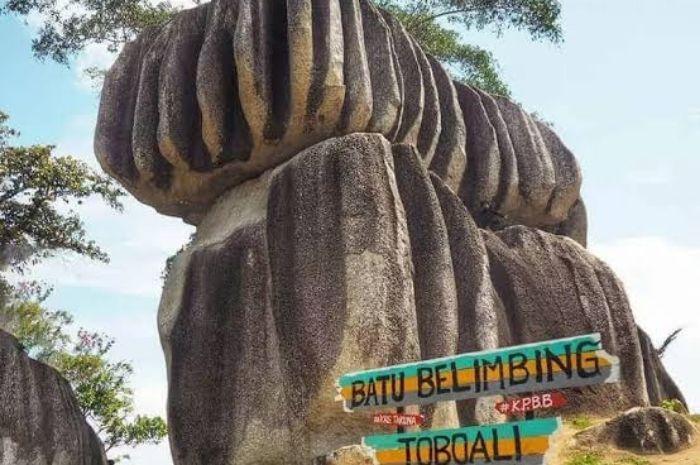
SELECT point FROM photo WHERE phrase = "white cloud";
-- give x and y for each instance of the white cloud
(76, 139)
(93, 56)
(138, 242)
(662, 280)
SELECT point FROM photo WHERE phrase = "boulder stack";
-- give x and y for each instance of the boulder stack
(355, 208)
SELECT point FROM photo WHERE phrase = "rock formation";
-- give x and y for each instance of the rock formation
(355, 208)
(40, 422)
(233, 88)
(649, 430)
(351, 455)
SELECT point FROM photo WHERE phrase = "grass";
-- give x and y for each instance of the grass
(694, 417)
(585, 458)
(581, 423)
(596, 458)
(633, 461)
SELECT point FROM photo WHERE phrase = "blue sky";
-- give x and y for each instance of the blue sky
(622, 91)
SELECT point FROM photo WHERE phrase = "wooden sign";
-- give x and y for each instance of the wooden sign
(562, 363)
(520, 405)
(508, 443)
(402, 420)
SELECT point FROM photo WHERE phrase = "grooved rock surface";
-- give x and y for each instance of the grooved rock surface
(355, 208)
(550, 287)
(350, 256)
(230, 89)
(40, 422)
(651, 430)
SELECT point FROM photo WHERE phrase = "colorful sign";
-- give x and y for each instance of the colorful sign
(562, 363)
(402, 420)
(531, 403)
(509, 443)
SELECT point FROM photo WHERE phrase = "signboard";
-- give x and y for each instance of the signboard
(562, 363)
(401, 420)
(508, 443)
(521, 405)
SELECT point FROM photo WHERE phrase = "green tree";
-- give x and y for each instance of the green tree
(69, 26)
(104, 395)
(434, 23)
(40, 331)
(37, 194)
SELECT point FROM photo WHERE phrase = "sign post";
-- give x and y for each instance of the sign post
(508, 443)
(525, 405)
(571, 362)
(545, 366)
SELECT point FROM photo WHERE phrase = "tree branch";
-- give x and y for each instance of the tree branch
(432, 18)
(672, 337)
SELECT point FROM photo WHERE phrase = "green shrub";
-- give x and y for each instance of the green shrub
(580, 423)
(674, 405)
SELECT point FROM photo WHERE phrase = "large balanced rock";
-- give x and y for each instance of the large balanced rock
(352, 255)
(230, 89)
(355, 208)
(40, 422)
(643, 430)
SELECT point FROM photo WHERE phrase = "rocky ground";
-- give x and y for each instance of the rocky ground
(568, 449)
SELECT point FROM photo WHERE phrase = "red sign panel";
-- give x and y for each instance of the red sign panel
(528, 404)
(405, 420)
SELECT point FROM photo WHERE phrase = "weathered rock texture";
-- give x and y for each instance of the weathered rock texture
(643, 430)
(40, 422)
(551, 287)
(355, 208)
(350, 455)
(232, 88)
(352, 255)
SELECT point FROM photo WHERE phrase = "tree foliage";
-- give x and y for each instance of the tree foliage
(37, 193)
(103, 393)
(101, 386)
(435, 25)
(70, 25)
(40, 331)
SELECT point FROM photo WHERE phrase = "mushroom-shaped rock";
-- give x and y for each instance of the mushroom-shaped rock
(352, 256)
(232, 88)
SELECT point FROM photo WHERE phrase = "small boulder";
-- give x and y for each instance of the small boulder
(351, 455)
(645, 430)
